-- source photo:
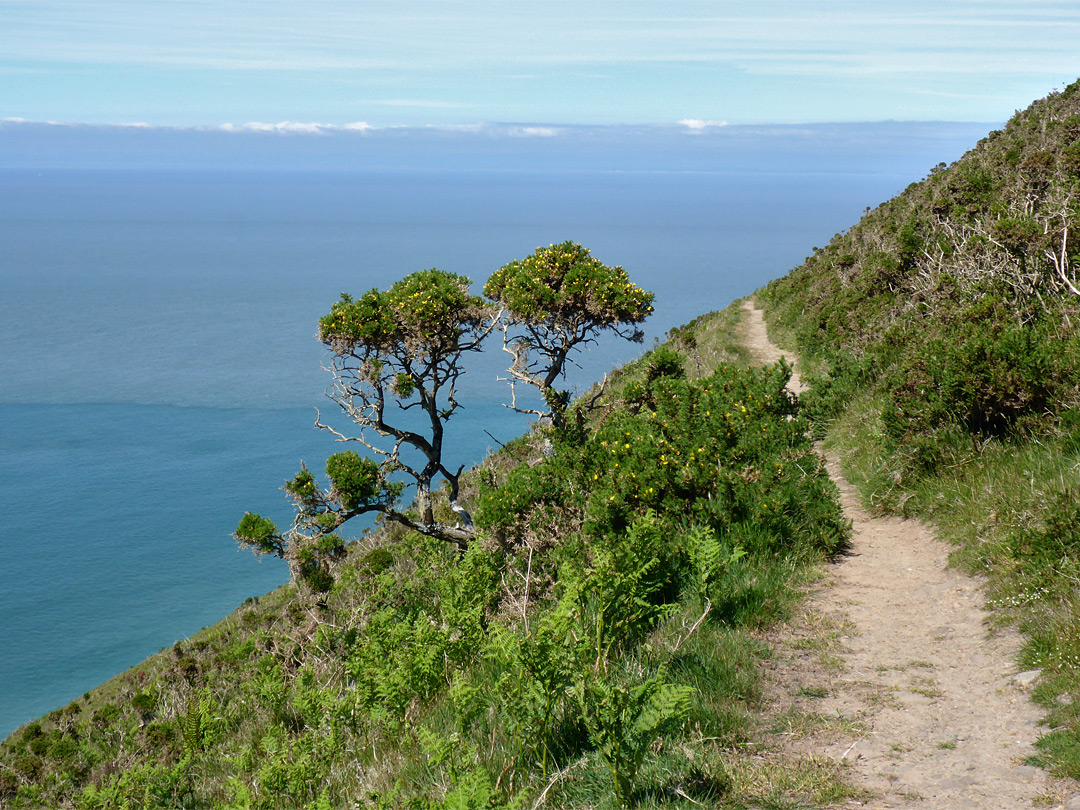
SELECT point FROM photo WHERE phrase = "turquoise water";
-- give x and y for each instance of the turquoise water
(159, 372)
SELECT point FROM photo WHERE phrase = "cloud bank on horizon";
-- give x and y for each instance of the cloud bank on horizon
(702, 63)
(692, 126)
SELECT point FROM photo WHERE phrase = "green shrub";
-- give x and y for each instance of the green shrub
(710, 452)
(985, 378)
(844, 373)
(375, 562)
(9, 784)
(160, 736)
(144, 703)
(63, 752)
(31, 731)
(1052, 550)
(664, 361)
(40, 744)
(28, 766)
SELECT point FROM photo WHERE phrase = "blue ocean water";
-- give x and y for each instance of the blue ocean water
(159, 371)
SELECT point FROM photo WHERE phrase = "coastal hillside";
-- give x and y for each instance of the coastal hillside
(596, 642)
(959, 297)
(599, 631)
(942, 333)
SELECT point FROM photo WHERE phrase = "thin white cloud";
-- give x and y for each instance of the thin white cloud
(73, 124)
(697, 126)
(297, 127)
(533, 132)
(323, 35)
(282, 128)
(450, 127)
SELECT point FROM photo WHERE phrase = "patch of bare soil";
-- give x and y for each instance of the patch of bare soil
(893, 674)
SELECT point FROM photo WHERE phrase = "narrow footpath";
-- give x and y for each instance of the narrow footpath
(914, 695)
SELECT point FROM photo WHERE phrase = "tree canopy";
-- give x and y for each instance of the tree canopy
(557, 300)
(393, 352)
(396, 360)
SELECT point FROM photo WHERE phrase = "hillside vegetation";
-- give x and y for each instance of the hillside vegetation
(942, 333)
(597, 644)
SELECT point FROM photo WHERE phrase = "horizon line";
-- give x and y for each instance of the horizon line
(689, 126)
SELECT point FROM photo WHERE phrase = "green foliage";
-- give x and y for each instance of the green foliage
(555, 301)
(403, 657)
(985, 377)
(1069, 425)
(717, 452)
(833, 389)
(304, 490)
(623, 721)
(1052, 550)
(664, 361)
(195, 726)
(356, 480)
(144, 703)
(290, 776)
(425, 315)
(375, 561)
(408, 652)
(565, 285)
(616, 600)
(260, 533)
(312, 562)
(709, 557)
(610, 608)
(535, 671)
(311, 546)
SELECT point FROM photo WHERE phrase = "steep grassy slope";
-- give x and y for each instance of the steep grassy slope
(960, 295)
(943, 333)
(598, 645)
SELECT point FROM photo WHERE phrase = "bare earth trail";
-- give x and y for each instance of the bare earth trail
(914, 696)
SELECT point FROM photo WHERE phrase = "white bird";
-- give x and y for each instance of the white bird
(459, 510)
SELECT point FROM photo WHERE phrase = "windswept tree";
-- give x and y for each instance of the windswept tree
(557, 300)
(396, 361)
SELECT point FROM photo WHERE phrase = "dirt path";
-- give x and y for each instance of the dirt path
(894, 663)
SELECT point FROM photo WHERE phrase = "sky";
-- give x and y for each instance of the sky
(298, 65)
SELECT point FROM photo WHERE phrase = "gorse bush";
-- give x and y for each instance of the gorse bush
(985, 378)
(725, 450)
(557, 300)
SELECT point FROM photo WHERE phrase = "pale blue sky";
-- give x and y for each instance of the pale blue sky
(458, 62)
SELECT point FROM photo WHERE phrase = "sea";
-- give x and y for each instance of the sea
(160, 374)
